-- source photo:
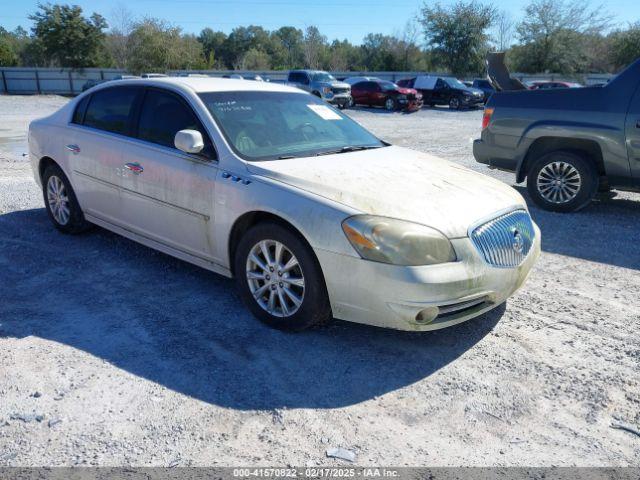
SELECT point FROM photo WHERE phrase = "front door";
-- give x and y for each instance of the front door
(168, 195)
(633, 137)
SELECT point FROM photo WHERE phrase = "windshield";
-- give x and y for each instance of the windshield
(455, 83)
(274, 125)
(388, 86)
(323, 77)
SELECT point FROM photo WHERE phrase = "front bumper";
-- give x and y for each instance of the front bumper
(337, 98)
(407, 298)
(472, 101)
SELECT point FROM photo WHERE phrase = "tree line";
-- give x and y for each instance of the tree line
(561, 36)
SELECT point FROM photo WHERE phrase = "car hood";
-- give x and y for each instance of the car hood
(333, 84)
(399, 183)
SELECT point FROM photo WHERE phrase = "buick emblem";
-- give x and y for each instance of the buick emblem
(518, 241)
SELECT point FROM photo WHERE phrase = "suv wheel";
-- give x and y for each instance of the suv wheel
(390, 104)
(562, 181)
(280, 280)
(454, 103)
(61, 203)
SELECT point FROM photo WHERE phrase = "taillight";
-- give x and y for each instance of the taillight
(486, 118)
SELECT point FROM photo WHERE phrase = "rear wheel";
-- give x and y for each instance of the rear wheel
(61, 202)
(562, 181)
(280, 280)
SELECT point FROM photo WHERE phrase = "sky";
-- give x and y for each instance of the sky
(341, 19)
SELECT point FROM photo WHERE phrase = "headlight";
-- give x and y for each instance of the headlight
(397, 242)
(326, 90)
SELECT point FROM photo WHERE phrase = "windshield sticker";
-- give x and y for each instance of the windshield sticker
(325, 112)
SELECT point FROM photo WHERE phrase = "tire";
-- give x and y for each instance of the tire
(317, 94)
(454, 103)
(578, 177)
(352, 102)
(314, 308)
(390, 105)
(61, 202)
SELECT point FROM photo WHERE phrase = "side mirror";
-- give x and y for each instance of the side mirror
(189, 141)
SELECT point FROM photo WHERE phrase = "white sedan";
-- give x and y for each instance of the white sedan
(312, 214)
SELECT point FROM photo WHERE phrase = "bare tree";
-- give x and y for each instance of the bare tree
(503, 30)
(122, 23)
(313, 45)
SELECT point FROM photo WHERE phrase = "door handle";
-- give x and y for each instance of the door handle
(75, 149)
(134, 167)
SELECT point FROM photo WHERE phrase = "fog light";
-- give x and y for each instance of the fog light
(427, 315)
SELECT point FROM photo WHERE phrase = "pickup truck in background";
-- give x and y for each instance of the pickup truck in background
(323, 85)
(569, 144)
(444, 91)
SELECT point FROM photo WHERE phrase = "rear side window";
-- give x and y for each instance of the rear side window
(110, 109)
(163, 115)
(81, 108)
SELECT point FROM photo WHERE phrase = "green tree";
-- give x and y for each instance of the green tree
(68, 38)
(458, 34)
(155, 45)
(290, 40)
(625, 46)
(314, 47)
(554, 34)
(212, 45)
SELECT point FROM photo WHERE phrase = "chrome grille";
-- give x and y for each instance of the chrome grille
(339, 90)
(505, 241)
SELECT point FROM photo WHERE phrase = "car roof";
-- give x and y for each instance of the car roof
(212, 84)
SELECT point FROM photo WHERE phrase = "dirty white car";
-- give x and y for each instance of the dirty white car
(313, 215)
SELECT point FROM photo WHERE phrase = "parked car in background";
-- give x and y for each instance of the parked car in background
(568, 144)
(154, 75)
(546, 84)
(444, 91)
(93, 82)
(385, 94)
(354, 80)
(323, 85)
(312, 214)
(485, 86)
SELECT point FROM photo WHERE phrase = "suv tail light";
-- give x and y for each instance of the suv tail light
(486, 118)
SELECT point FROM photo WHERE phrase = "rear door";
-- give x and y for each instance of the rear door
(99, 130)
(168, 195)
(633, 136)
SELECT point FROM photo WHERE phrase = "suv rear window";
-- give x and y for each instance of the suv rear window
(110, 109)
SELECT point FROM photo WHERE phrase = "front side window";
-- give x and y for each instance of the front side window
(110, 109)
(272, 125)
(163, 115)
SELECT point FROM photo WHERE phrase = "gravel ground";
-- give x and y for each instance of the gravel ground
(112, 354)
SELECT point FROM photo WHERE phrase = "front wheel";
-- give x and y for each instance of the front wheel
(390, 104)
(454, 103)
(562, 181)
(280, 280)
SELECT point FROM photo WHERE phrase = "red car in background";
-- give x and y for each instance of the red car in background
(380, 93)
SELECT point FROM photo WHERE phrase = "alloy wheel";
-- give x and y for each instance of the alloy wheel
(389, 104)
(275, 278)
(58, 200)
(559, 182)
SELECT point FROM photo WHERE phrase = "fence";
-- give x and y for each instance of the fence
(16, 80)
